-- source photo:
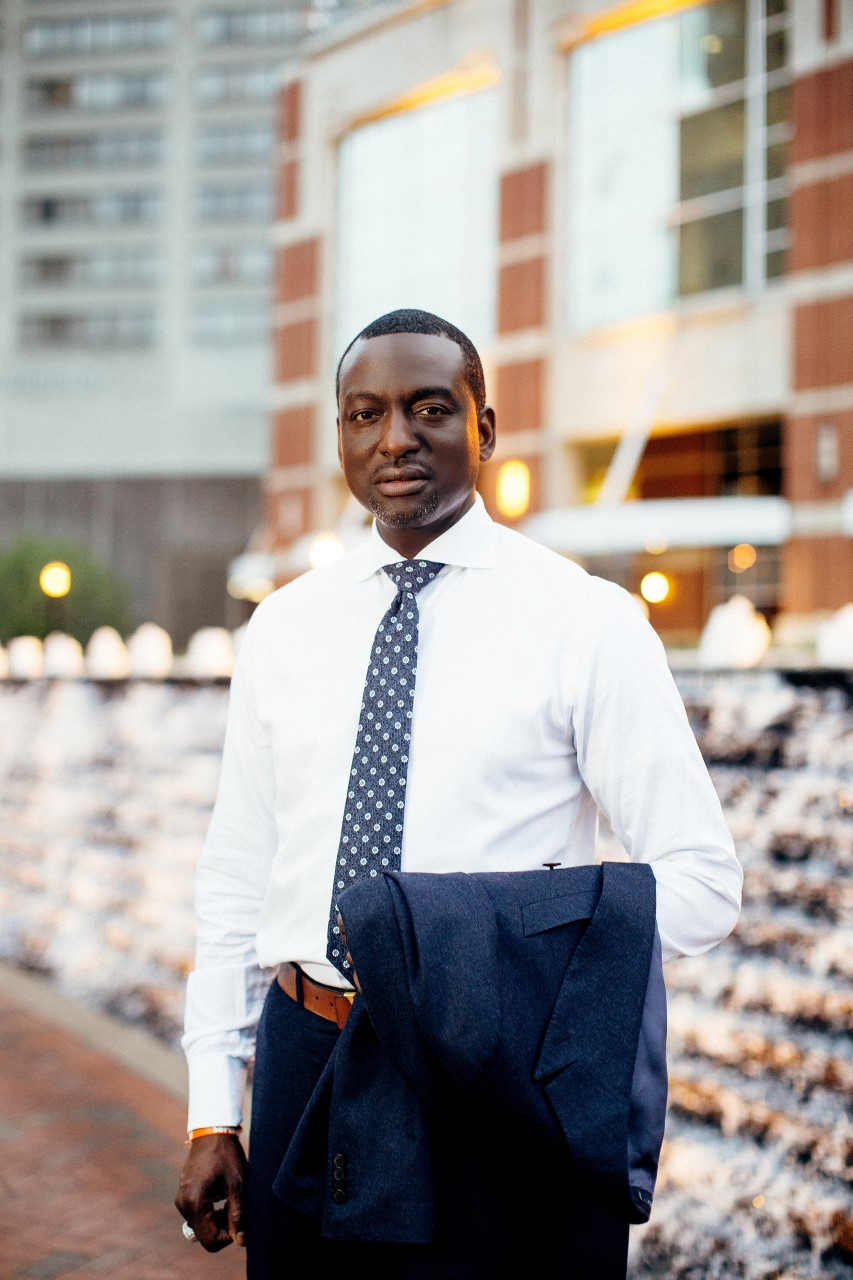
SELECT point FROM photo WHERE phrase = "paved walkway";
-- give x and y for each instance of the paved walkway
(91, 1125)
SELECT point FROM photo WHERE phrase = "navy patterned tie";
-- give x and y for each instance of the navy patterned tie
(372, 830)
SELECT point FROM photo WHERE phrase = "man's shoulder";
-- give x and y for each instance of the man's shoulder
(587, 603)
(538, 563)
(312, 593)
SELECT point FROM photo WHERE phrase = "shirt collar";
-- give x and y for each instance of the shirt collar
(467, 544)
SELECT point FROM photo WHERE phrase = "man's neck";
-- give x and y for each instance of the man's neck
(411, 542)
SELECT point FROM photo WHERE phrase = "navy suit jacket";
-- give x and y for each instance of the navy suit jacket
(531, 1000)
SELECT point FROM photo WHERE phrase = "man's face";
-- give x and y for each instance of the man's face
(410, 439)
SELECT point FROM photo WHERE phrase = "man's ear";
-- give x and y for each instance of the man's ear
(340, 451)
(486, 429)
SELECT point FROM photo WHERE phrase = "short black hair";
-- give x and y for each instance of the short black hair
(408, 320)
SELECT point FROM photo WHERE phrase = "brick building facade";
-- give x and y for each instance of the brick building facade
(695, 351)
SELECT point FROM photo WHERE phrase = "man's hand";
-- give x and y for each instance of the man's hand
(214, 1170)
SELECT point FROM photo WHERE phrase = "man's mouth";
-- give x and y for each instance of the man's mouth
(398, 484)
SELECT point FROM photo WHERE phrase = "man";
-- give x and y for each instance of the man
(541, 695)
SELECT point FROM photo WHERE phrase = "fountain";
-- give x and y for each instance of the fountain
(106, 788)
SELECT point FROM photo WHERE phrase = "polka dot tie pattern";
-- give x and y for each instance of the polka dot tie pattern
(372, 830)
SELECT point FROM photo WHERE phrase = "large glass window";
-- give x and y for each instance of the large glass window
(244, 143)
(100, 268)
(135, 328)
(233, 203)
(122, 91)
(231, 323)
(228, 263)
(250, 26)
(219, 85)
(678, 135)
(417, 215)
(94, 150)
(97, 35)
(99, 208)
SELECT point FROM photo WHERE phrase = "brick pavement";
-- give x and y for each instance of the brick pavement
(89, 1157)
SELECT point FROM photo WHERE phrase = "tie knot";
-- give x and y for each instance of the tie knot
(412, 575)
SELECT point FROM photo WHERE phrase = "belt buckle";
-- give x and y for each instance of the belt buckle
(349, 995)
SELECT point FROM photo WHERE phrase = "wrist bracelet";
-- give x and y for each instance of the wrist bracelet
(236, 1129)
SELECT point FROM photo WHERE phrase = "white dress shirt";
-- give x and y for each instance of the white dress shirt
(542, 696)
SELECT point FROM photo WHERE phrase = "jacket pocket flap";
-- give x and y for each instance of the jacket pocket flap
(550, 913)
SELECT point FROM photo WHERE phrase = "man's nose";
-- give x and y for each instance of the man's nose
(399, 436)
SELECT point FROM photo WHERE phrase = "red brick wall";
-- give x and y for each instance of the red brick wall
(523, 307)
(802, 484)
(297, 267)
(822, 223)
(521, 296)
(823, 343)
(293, 436)
(822, 111)
(817, 573)
(296, 351)
(519, 396)
(523, 202)
(290, 497)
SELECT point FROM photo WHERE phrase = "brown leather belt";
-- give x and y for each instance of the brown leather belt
(329, 1002)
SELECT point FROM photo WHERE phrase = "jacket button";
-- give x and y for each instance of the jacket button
(339, 1196)
(339, 1175)
(339, 1161)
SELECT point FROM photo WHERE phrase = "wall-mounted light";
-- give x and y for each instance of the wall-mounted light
(655, 587)
(827, 459)
(323, 549)
(55, 579)
(513, 489)
(741, 557)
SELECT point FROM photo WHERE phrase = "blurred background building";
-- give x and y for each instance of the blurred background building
(137, 147)
(643, 214)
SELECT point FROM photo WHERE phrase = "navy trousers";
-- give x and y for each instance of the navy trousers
(502, 1209)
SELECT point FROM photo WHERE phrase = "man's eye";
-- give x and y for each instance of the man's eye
(431, 410)
(364, 415)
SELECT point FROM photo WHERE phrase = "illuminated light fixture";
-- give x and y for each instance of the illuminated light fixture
(741, 557)
(55, 579)
(254, 591)
(655, 587)
(250, 577)
(324, 549)
(711, 44)
(470, 76)
(656, 545)
(758, 1202)
(513, 489)
(619, 16)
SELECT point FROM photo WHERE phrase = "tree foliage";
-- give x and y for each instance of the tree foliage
(97, 597)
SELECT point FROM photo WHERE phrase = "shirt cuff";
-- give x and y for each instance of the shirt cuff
(216, 1086)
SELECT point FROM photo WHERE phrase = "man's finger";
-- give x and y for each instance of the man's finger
(236, 1228)
(211, 1229)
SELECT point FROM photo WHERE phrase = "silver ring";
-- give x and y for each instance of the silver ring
(189, 1234)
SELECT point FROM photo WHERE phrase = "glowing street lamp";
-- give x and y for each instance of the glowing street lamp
(324, 549)
(655, 587)
(513, 489)
(741, 557)
(55, 579)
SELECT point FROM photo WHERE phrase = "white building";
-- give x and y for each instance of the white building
(137, 149)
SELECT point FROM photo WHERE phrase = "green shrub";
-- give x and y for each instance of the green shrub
(97, 597)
